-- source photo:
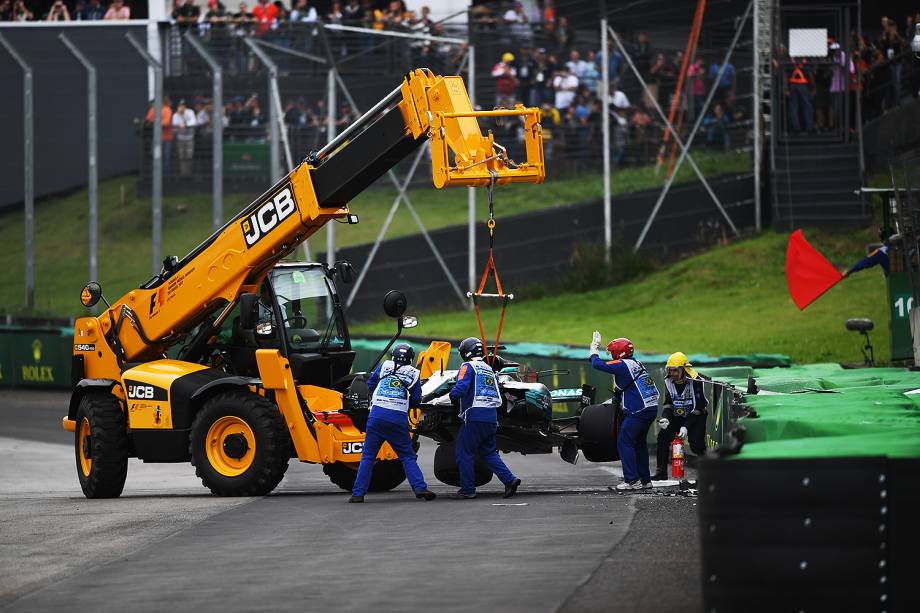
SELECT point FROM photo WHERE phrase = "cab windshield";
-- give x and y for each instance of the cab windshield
(308, 319)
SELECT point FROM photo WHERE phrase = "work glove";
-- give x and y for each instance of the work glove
(663, 423)
(682, 433)
(595, 343)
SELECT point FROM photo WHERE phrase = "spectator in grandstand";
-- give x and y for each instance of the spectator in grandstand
(505, 77)
(353, 14)
(575, 64)
(615, 66)
(549, 120)
(618, 99)
(186, 14)
(21, 12)
(304, 13)
(94, 11)
(696, 89)
(725, 90)
(242, 17)
(6, 10)
(265, 14)
(640, 122)
(590, 75)
(167, 138)
(118, 11)
(663, 75)
(892, 46)
(524, 65)
(335, 14)
(58, 12)
(565, 85)
(518, 24)
(293, 115)
(716, 124)
(216, 18)
(642, 56)
(822, 97)
(184, 122)
(564, 35)
(543, 71)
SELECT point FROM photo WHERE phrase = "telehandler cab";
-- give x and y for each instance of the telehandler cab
(261, 352)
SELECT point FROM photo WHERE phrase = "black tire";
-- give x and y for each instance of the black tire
(269, 461)
(387, 474)
(598, 428)
(105, 449)
(446, 469)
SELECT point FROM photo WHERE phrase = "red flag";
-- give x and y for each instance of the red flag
(808, 273)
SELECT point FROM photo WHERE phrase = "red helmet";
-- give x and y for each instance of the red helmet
(620, 348)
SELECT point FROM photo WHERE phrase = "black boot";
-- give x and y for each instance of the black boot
(511, 488)
(356, 499)
(425, 494)
(660, 475)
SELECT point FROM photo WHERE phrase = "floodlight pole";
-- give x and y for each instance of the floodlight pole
(28, 143)
(471, 191)
(92, 170)
(605, 129)
(757, 124)
(156, 146)
(217, 131)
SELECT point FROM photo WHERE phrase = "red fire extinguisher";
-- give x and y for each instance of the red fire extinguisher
(677, 458)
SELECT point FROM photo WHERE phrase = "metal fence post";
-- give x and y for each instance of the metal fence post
(156, 146)
(28, 143)
(471, 191)
(605, 129)
(92, 170)
(274, 133)
(217, 131)
(330, 129)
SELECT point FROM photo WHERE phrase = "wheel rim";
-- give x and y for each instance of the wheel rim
(83, 447)
(216, 446)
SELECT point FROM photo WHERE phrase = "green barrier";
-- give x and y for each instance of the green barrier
(823, 410)
(35, 357)
(246, 160)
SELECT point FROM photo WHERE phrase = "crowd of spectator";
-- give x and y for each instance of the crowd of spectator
(566, 83)
(80, 10)
(887, 65)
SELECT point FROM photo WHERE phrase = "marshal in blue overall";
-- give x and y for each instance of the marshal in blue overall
(640, 407)
(395, 387)
(479, 397)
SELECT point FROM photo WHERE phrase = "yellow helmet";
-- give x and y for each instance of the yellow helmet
(507, 57)
(678, 359)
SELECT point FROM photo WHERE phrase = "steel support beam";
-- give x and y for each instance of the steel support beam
(274, 134)
(92, 146)
(156, 146)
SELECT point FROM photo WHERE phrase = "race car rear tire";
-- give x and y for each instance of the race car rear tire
(101, 445)
(387, 474)
(446, 469)
(598, 428)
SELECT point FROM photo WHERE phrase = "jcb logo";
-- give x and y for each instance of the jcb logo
(354, 447)
(267, 217)
(144, 392)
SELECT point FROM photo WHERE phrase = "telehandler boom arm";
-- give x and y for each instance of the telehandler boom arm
(206, 283)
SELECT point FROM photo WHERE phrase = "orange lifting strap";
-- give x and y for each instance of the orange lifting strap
(490, 268)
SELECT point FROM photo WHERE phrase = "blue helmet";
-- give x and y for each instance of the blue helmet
(402, 354)
(471, 348)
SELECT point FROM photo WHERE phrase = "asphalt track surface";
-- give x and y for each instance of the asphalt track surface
(564, 543)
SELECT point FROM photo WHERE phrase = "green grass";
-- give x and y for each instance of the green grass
(729, 300)
(124, 227)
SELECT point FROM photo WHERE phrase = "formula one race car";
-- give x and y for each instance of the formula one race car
(525, 419)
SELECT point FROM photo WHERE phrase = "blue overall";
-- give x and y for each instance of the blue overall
(478, 394)
(640, 407)
(393, 390)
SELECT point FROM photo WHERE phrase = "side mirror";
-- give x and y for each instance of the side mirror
(395, 303)
(249, 311)
(91, 294)
(346, 272)
(408, 321)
